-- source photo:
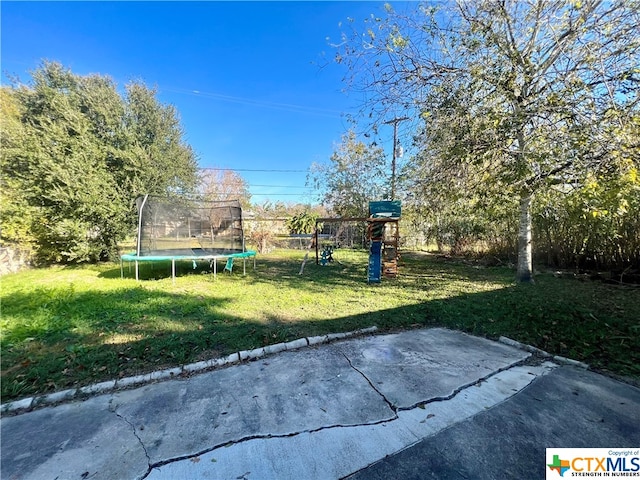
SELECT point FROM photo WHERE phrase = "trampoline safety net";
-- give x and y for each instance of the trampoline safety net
(177, 227)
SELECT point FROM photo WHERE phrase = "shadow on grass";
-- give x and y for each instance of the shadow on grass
(350, 268)
(158, 270)
(60, 339)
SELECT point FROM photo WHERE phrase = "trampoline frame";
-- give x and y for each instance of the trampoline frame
(133, 257)
(180, 254)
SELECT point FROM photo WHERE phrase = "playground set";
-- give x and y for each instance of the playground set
(382, 234)
(188, 230)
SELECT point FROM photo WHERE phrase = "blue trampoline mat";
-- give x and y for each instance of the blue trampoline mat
(186, 254)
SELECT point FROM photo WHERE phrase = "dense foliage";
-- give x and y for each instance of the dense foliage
(75, 154)
(526, 117)
(303, 223)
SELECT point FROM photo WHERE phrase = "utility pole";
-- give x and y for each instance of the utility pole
(395, 122)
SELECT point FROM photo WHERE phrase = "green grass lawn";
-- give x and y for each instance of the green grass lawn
(71, 326)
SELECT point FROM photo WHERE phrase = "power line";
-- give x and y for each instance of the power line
(302, 194)
(279, 194)
(279, 186)
(290, 107)
(253, 170)
(251, 185)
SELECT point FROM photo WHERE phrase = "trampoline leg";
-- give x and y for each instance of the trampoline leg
(173, 271)
(137, 276)
(215, 267)
(244, 266)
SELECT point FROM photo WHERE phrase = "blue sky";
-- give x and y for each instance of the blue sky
(249, 79)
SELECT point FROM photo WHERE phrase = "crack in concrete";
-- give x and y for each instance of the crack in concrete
(260, 437)
(532, 360)
(135, 434)
(395, 409)
(525, 361)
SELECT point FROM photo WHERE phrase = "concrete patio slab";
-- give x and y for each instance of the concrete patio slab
(418, 366)
(568, 408)
(288, 393)
(353, 407)
(71, 441)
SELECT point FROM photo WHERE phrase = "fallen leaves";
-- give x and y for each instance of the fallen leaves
(431, 415)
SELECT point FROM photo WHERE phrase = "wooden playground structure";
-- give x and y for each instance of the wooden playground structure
(383, 238)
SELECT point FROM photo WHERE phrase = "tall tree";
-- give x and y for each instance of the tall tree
(16, 211)
(515, 96)
(219, 185)
(80, 155)
(165, 163)
(355, 175)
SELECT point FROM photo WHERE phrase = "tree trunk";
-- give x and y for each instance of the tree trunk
(525, 269)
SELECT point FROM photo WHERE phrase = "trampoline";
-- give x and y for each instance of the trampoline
(188, 230)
